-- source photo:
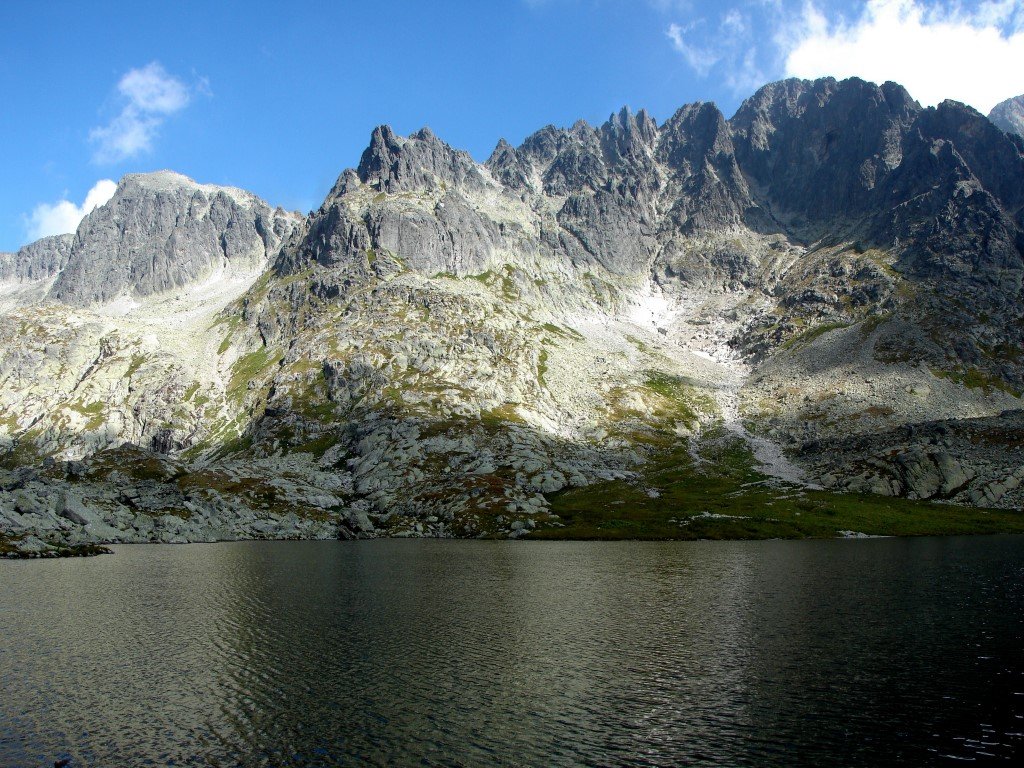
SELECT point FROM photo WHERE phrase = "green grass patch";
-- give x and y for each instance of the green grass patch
(135, 364)
(94, 413)
(295, 277)
(503, 282)
(805, 338)
(232, 446)
(318, 446)
(542, 367)
(871, 323)
(974, 378)
(248, 368)
(567, 333)
(725, 498)
(640, 346)
(92, 409)
(498, 417)
(9, 423)
(232, 322)
(681, 398)
(260, 289)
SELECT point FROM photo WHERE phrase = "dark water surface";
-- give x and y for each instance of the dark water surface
(517, 653)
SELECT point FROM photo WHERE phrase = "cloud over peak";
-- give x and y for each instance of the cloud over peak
(64, 216)
(151, 95)
(938, 49)
(938, 52)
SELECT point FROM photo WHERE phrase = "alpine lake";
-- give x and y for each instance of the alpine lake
(460, 653)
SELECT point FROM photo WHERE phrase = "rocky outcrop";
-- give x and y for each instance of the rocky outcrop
(821, 152)
(161, 231)
(41, 260)
(1009, 115)
(420, 162)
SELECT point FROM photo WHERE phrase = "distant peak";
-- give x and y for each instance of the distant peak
(1009, 115)
(424, 134)
(421, 161)
(170, 182)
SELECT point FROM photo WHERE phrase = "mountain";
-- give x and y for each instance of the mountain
(1009, 115)
(161, 231)
(704, 328)
(28, 274)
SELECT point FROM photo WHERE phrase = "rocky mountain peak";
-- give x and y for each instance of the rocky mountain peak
(161, 231)
(626, 135)
(823, 105)
(695, 130)
(509, 167)
(1009, 115)
(164, 180)
(819, 148)
(419, 161)
(36, 261)
(995, 158)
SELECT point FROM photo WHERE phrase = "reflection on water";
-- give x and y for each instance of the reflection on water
(518, 653)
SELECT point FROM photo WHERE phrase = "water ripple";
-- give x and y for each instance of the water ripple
(473, 653)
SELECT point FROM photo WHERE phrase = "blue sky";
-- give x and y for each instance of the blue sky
(279, 97)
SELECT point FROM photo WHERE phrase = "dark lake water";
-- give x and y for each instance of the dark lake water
(426, 653)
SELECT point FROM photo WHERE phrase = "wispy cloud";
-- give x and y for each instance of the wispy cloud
(724, 46)
(700, 58)
(937, 52)
(64, 216)
(150, 96)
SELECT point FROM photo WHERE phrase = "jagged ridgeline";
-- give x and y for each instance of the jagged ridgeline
(793, 322)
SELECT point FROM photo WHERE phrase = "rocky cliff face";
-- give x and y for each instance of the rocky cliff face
(827, 284)
(1009, 115)
(27, 276)
(38, 261)
(161, 231)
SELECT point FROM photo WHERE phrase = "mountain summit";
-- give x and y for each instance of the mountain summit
(707, 327)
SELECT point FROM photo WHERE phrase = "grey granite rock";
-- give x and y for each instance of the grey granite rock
(1009, 115)
(40, 260)
(420, 162)
(162, 231)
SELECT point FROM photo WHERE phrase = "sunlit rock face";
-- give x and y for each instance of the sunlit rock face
(829, 279)
(161, 231)
(1009, 115)
(40, 260)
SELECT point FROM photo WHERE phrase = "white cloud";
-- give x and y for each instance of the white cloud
(151, 89)
(939, 49)
(64, 216)
(937, 52)
(151, 96)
